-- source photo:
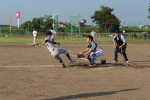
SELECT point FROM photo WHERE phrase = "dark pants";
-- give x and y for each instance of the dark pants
(123, 51)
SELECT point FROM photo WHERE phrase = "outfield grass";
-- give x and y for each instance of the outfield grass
(70, 41)
(29, 40)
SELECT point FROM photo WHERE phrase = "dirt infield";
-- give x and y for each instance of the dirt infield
(30, 73)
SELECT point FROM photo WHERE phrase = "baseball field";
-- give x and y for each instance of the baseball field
(31, 73)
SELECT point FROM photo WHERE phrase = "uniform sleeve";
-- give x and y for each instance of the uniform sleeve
(114, 39)
(123, 38)
(92, 46)
(48, 40)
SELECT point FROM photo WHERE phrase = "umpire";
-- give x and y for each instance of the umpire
(120, 46)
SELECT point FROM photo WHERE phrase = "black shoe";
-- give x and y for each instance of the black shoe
(71, 60)
(63, 65)
(37, 44)
(33, 45)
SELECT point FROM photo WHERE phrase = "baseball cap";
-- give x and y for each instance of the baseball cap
(48, 33)
(117, 32)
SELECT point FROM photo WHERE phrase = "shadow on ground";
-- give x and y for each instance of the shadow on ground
(99, 65)
(85, 95)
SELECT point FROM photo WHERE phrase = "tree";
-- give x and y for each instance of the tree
(36, 23)
(107, 21)
(39, 23)
(47, 21)
(26, 25)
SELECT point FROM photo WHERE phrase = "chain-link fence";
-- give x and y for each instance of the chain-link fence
(130, 37)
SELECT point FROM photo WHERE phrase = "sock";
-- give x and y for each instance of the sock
(68, 56)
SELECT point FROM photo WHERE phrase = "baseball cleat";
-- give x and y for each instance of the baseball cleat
(92, 65)
(127, 62)
(72, 60)
(33, 45)
(115, 61)
(63, 65)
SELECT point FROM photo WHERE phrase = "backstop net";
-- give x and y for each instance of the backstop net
(55, 22)
(75, 25)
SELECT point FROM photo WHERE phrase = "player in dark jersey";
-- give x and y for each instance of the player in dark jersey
(120, 46)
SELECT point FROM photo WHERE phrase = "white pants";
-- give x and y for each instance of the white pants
(99, 53)
(55, 53)
(35, 41)
(92, 57)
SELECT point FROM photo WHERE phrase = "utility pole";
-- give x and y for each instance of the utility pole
(10, 22)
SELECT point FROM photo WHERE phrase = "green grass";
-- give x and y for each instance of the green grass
(71, 41)
(30, 40)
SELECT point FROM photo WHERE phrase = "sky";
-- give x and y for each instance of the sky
(129, 12)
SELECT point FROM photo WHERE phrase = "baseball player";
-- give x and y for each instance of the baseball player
(93, 34)
(34, 34)
(120, 46)
(53, 33)
(56, 51)
(93, 51)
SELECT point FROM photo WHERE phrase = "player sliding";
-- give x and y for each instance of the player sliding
(55, 51)
(93, 51)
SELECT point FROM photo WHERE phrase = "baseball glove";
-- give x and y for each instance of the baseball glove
(80, 55)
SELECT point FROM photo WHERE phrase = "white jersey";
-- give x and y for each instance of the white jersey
(53, 35)
(50, 44)
(34, 33)
(93, 34)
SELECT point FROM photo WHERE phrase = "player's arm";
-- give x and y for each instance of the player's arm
(57, 43)
(122, 45)
(88, 52)
(115, 44)
(45, 42)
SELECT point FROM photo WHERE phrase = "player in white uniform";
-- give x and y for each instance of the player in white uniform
(56, 51)
(93, 51)
(34, 34)
(93, 34)
(53, 33)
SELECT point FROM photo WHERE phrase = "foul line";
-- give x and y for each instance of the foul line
(32, 66)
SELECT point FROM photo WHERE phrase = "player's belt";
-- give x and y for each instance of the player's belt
(98, 50)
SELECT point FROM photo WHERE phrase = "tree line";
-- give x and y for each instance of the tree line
(107, 21)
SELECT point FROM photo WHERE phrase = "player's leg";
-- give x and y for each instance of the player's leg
(93, 60)
(124, 53)
(63, 51)
(34, 41)
(116, 54)
(60, 60)
(89, 58)
(94, 56)
(55, 54)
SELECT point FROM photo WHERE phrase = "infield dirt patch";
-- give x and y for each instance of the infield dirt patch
(31, 73)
